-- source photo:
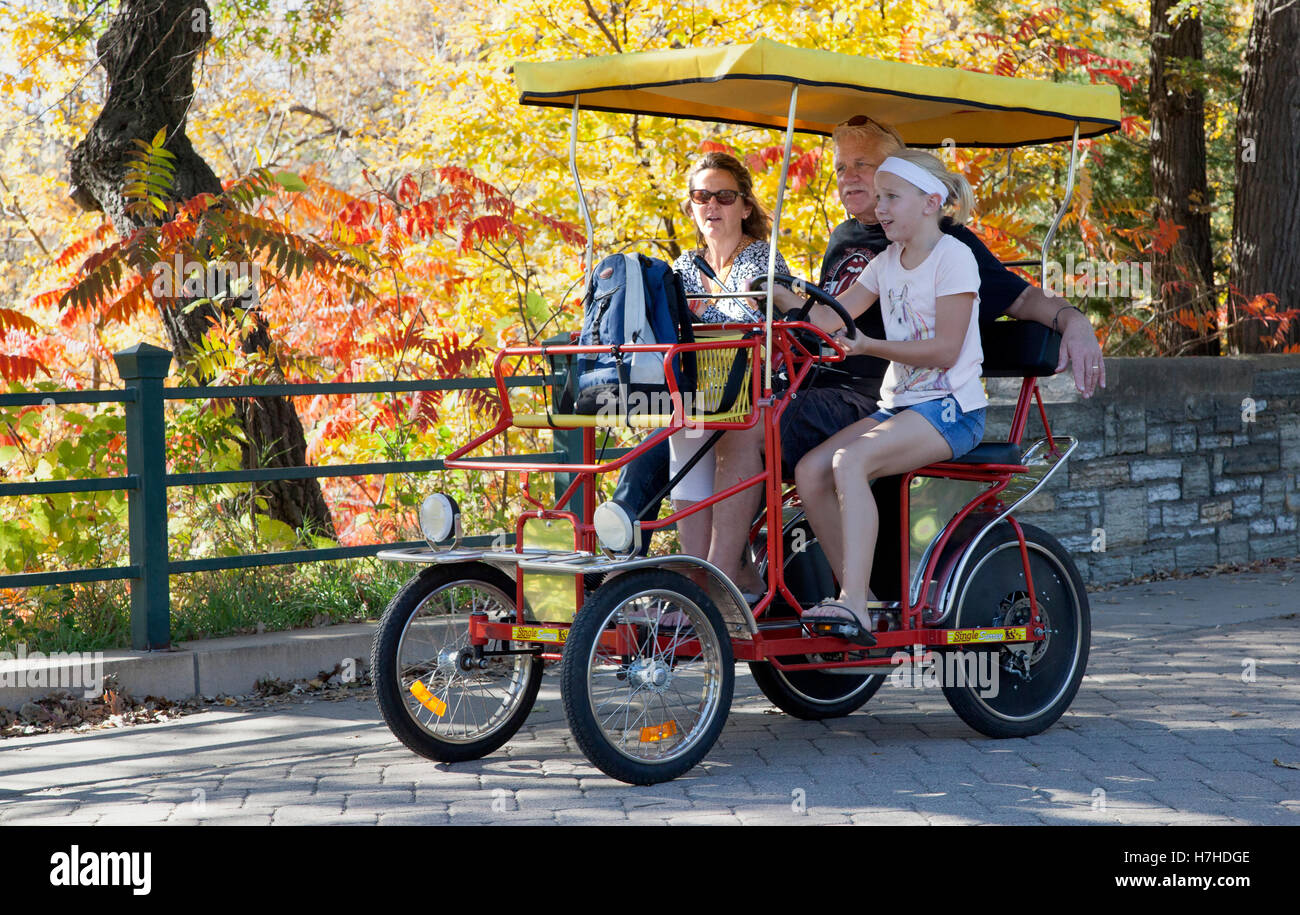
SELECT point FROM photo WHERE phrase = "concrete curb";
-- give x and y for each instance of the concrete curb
(207, 667)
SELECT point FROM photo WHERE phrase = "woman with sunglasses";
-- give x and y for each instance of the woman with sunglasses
(731, 229)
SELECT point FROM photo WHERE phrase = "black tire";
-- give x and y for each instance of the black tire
(420, 637)
(810, 695)
(651, 713)
(814, 695)
(992, 593)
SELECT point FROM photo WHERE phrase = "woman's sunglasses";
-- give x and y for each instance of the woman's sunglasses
(726, 198)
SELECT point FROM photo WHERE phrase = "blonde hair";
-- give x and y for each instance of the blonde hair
(960, 194)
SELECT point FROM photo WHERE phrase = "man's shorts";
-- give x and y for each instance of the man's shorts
(814, 415)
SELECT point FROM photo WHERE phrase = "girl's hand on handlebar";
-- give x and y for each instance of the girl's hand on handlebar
(858, 346)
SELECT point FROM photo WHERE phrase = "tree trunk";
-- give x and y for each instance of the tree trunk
(1184, 275)
(149, 52)
(1266, 217)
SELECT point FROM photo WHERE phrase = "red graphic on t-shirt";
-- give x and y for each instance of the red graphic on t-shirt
(844, 273)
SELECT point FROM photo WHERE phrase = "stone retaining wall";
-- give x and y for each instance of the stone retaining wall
(1181, 464)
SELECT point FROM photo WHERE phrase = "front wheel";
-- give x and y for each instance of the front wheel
(647, 676)
(433, 694)
(1028, 693)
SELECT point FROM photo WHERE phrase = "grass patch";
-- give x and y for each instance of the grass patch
(97, 616)
(84, 617)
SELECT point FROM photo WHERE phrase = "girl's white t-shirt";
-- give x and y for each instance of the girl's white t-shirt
(907, 301)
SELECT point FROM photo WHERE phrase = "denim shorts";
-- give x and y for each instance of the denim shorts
(961, 430)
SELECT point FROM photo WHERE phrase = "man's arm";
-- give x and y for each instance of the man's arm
(998, 286)
(1079, 345)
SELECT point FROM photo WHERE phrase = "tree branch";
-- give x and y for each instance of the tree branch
(594, 17)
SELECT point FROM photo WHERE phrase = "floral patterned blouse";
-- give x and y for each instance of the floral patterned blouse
(749, 263)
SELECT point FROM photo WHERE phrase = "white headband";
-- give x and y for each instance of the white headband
(914, 174)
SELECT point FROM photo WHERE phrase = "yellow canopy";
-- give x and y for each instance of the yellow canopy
(750, 84)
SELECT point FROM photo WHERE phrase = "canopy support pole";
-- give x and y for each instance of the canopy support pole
(582, 198)
(1069, 194)
(776, 234)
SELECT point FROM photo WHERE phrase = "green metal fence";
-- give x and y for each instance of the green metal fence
(143, 369)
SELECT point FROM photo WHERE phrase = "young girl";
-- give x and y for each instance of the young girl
(932, 400)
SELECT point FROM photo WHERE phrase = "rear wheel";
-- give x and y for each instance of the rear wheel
(433, 696)
(1032, 689)
(647, 676)
(811, 695)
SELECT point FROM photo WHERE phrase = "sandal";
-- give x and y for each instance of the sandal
(848, 627)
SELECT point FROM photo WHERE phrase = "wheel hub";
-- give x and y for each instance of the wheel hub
(1017, 611)
(452, 660)
(650, 673)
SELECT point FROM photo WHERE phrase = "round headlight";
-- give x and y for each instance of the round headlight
(614, 526)
(438, 514)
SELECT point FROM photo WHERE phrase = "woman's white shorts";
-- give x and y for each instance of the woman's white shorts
(682, 446)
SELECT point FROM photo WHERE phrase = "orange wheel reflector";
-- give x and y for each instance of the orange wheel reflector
(658, 732)
(428, 699)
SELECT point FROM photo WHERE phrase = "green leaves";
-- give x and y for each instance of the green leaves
(149, 177)
(290, 182)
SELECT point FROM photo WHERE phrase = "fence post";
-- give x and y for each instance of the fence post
(144, 368)
(567, 441)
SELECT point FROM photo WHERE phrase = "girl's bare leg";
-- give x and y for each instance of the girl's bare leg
(814, 478)
(902, 443)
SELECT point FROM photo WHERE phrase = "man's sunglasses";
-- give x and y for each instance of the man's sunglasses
(726, 198)
(860, 120)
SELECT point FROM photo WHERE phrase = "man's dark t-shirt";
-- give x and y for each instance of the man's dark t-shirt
(852, 245)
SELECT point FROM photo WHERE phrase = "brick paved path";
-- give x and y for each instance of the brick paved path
(1165, 730)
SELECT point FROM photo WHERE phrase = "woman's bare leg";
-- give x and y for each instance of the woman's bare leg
(693, 530)
(739, 456)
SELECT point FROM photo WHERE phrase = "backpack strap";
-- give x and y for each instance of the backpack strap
(735, 377)
(623, 382)
(683, 318)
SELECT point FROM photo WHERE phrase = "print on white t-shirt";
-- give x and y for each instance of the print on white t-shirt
(908, 300)
(909, 324)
